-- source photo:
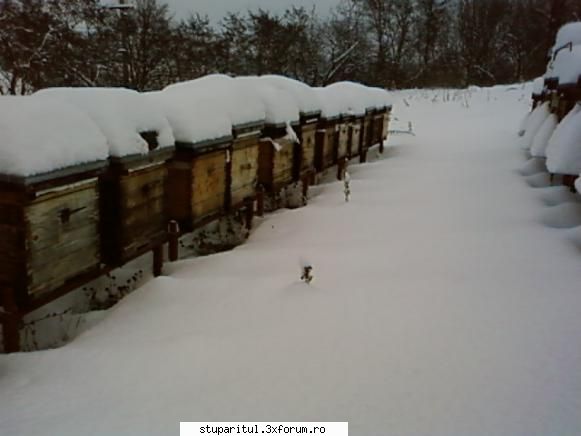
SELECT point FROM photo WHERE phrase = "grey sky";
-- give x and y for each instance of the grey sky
(216, 9)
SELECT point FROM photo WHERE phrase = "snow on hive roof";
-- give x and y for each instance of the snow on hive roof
(350, 98)
(304, 96)
(564, 150)
(355, 98)
(121, 114)
(566, 66)
(193, 120)
(380, 97)
(569, 33)
(41, 135)
(224, 94)
(332, 105)
(538, 85)
(281, 107)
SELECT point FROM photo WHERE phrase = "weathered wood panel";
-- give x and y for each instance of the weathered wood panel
(209, 184)
(355, 136)
(275, 167)
(343, 140)
(62, 237)
(385, 125)
(179, 191)
(377, 135)
(308, 132)
(326, 139)
(367, 134)
(143, 213)
(244, 170)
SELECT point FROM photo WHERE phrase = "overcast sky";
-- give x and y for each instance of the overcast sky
(216, 9)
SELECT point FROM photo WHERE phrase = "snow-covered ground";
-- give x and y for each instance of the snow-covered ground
(443, 304)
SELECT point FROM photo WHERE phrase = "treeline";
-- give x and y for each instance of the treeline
(389, 43)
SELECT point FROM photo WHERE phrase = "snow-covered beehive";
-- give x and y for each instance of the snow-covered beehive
(278, 149)
(51, 156)
(357, 101)
(564, 148)
(133, 189)
(332, 107)
(381, 100)
(310, 111)
(217, 125)
(562, 79)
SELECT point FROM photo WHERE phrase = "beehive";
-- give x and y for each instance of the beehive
(355, 136)
(342, 142)
(307, 131)
(134, 205)
(276, 159)
(50, 230)
(326, 140)
(243, 165)
(198, 182)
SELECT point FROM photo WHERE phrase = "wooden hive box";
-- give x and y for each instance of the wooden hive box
(305, 162)
(242, 170)
(385, 123)
(326, 140)
(134, 205)
(567, 97)
(342, 142)
(377, 128)
(366, 134)
(276, 159)
(50, 232)
(198, 182)
(355, 136)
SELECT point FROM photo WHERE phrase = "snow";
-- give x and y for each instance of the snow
(380, 97)
(219, 93)
(193, 120)
(350, 98)
(452, 313)
(566, 66)
(355, 98)
(563, 151)
(121, 114)
(281, 107)
(533, 124)
(563, 216)
(40, 135)
(541, 139)
(304, 96)
(569, 33)
(538, 86)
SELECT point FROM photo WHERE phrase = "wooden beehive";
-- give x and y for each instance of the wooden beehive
(276, 159)
(377, 128)
(325, 147)
(342, 142)
(305, 162)
(566, 97)
(355, 136)
(243, 165)
(50, 231)
(197, 187)
(385, 123)
(366, 134)
(134, 205)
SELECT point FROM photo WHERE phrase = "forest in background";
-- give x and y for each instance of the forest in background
(387, 43)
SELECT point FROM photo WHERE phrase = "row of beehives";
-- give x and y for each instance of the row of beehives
(552, 130)
(91, 178)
